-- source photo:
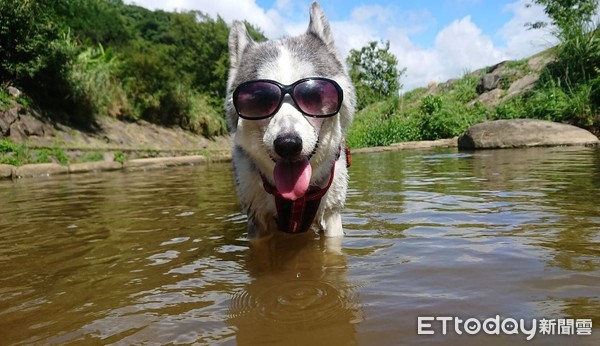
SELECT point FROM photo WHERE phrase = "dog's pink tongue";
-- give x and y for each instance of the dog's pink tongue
(292, 178)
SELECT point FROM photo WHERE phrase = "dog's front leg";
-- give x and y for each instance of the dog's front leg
(331, 223)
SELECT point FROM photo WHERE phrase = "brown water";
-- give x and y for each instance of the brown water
(161, 257)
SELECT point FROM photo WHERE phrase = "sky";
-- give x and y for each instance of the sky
(434, 40)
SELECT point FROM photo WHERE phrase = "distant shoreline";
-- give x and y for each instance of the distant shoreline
(55, 169)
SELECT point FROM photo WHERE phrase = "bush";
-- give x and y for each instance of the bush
(203, 117)
(381, 124)
(35, 54)
(394, 130)
(446, 115)
(95, 86)
(451, 119)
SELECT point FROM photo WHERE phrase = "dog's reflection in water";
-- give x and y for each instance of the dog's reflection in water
(298, 294)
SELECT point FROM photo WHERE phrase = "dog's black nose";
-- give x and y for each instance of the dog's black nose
(288, 146)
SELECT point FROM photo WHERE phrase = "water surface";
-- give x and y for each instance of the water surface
(161, 257)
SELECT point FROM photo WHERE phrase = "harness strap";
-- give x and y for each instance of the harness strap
(297, 216)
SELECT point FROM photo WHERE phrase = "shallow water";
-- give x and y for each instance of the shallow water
(161, 257)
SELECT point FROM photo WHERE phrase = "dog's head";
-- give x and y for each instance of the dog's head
(290, 134)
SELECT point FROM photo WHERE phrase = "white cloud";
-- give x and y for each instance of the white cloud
(460, 46)
(268, 20)
(463, 47)
(521, 42)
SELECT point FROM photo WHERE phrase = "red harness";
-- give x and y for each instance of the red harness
(297, 216)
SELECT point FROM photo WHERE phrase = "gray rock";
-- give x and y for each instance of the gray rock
(490, 98)
(14, 92)
(4, 127)
(11, 115)
(17, 133)
(524, 133)
(489, 82)
(31, 126)
(521, 85)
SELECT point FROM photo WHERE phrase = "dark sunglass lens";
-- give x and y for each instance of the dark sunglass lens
(257, 99)
(317, 97)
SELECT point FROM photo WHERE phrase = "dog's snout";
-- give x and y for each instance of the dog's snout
(288, 146)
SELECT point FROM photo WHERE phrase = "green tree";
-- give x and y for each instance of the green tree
(566, 14)
(374, 72)
(96, 21)
(36, 52)
(28, 35)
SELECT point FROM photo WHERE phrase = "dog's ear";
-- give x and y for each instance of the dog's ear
(319, 25)
(239, 39)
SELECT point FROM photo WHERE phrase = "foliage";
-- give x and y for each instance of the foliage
(93, 83)
(94, 22)
(19, 154)
(92, 156)
(415, 116)
(34, 52)
(120, 157)
(82, 59)
(379, 124)
(11, 154)
(4, 100)
(569, 87)
(449, 117)
(374, 72)
(566, 14)
(551, 102)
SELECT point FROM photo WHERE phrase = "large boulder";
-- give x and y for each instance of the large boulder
(518, 133)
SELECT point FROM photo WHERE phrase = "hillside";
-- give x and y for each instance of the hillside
(535, 87)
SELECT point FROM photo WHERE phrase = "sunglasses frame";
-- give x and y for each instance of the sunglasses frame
(288, 89)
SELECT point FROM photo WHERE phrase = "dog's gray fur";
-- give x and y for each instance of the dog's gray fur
(312, 54)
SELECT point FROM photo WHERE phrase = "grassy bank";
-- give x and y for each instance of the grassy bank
(21, 154)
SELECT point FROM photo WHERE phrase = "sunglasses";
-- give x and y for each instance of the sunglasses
(314, 97)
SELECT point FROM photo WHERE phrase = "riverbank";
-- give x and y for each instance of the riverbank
(216, 156)
(53, 169)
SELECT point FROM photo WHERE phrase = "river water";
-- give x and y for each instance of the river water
(161, 257)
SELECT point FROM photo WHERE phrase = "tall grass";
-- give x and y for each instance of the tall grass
(97, 89)
(95, 86)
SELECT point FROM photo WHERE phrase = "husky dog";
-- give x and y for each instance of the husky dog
(289, 104)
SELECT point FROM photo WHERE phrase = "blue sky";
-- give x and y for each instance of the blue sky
(432, 15)
(433, 40)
